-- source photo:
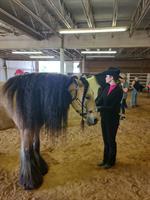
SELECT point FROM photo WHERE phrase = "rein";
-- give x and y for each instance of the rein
(86, 86)
(75, 98)
(80, 103)
(82, 113)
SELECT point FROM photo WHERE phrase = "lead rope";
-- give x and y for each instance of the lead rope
(86, 85)
(82, 120)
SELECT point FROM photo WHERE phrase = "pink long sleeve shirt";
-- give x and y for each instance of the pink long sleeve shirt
(111, 88)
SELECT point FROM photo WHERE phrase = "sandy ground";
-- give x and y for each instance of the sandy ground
(73, 172)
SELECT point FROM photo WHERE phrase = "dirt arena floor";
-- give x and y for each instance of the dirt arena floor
(73, 172)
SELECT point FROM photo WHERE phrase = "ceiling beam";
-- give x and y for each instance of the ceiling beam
(138, 15)
(35, 8)
(120, 40)
(86, 4)
(147, 28)
(13, 8)
(137, 52)
(55, 53)
(59, 14)
(132, 51)
(10, 19)
(143, 52)
(119, 52)
(68, 53)
(6, 28)
(68, 16)
(63, 14)
(78, 52)
(115, 13)
(27, 10)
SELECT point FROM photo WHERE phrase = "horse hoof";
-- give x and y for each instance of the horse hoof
(30, 184)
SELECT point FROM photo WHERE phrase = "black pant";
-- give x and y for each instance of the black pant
(109, 131)
(123, 106)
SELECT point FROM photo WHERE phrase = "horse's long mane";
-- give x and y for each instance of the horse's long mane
(40, 99)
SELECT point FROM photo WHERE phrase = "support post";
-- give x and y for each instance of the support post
(62, 56)
(5, 70)
(83, 65)
(36, 69)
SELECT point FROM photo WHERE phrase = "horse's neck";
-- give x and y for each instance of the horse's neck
(93, 85)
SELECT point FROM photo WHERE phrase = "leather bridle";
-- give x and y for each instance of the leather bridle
(83, 113)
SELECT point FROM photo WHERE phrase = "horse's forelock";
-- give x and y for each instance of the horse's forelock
(85, 82)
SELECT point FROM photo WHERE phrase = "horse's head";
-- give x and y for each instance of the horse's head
(83, 100)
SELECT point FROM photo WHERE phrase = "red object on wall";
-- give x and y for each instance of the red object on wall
(19, 72)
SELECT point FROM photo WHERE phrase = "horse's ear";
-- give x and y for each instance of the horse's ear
(74, 77)
(75, 82)
(83, 80)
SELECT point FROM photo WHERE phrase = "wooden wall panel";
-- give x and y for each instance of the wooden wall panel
(130, 66)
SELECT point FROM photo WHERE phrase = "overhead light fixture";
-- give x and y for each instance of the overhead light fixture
(41, 57)
(93, 30)
(100, 56)
(98, 52)
(27, 52)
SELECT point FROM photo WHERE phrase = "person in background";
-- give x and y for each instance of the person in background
(109, 107)
(125, 88)
(135, 87)
(148, 88)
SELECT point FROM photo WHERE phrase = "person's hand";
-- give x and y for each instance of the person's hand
(98, 108)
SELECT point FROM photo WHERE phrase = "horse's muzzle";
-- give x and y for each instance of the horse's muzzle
(92, 121)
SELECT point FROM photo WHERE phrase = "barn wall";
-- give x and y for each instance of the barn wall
(69, 67)
(132, 66)
(26, 66)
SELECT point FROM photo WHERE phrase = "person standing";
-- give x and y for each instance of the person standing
(125, 88)
(109, 107)
(148, 88)
(135, 87)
